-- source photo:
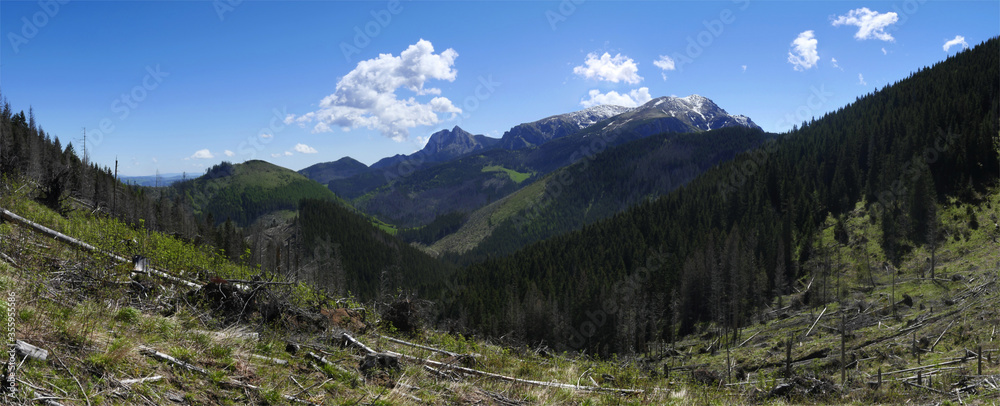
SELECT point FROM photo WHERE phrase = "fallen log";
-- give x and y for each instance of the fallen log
(149, 352)
(751, 338)
(29, 351)
(814, 323)
(920, 368)
(8, 259)
(153, 378)
(8, 215)
(269, 359)
(346, 338)
(927, 388)
(942, 335)
(443, 366)
(422, 347)
(323, 361)
(164, 357)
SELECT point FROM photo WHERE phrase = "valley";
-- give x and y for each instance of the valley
(561, 234)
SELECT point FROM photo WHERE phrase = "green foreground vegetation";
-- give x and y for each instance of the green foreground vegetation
(96, 318)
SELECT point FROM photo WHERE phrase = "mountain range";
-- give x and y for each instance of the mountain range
(460, 172)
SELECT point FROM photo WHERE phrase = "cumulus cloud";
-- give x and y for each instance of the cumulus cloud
(202, 154)
(861, 80)
(871, 24)
(803, 54)
(959, 40)
(665, 63)
(229, 153)
(610, 69)
(366, 96)
(305, 149)
(634, 98)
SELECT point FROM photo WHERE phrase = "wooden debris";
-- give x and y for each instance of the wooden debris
(942, 335)
(817, 321)
(8, 215)
(269, 359)
(161, 356)
(153, 378)
(323, 361)
(423, 347)
(149, 352)
(30, 351)
(442, 366)
(347, 339)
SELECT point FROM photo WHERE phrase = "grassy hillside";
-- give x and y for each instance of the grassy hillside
(245, 191)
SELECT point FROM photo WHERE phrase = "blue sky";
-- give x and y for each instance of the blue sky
(179, 86)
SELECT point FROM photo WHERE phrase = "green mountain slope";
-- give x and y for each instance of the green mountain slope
(594, 188)
(243, 192)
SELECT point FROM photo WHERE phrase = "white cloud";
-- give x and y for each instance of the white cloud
(366, 96)
(805, 55)
(268, 135)
(202, 154)
(634, 98)
(665, 63)
(870, 23)
(610, 69)
(835, 64)
(884, 52)
(861, 80)
(281, 154)
(744, 68)
(959, 40)
(305, 149)
(229, 153)
(275, 155)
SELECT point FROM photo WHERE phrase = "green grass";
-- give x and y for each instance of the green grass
(515, 176)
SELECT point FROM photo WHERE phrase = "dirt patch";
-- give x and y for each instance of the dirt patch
(346, 319)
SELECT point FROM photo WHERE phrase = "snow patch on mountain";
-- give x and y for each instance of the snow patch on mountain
(592, 115)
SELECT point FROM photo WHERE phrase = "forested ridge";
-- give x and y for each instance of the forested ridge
(352, 256)
(64, 179)
(243, 192)
(723, 245)
(600, 185)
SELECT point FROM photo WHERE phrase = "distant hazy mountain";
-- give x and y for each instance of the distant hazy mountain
(163, 179)
(443, 146)
(326, 171)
